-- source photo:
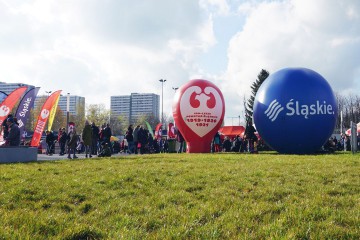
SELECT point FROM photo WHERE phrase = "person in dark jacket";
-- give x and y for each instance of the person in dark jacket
(226, 145)
(106, 151)
(72, 139)
(50, 141)
(250, 136)
(142, 139)
(87, 138)
(62, 141)
(13, 138)
(135, 138)
(5, 126)
(106, 134)
(95, 138)
(180, 140)
(130, 139)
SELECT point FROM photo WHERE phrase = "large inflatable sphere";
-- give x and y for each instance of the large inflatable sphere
(198, 111)
(295, 111)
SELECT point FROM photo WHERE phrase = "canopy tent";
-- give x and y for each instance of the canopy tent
(232, 131)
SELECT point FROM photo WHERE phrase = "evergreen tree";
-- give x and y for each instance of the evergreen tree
(254, 88)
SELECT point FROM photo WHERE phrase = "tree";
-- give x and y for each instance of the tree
(79, 119)
(254, 88)
(98, 114)
(118, 124)
(150, 118)
(59, 120)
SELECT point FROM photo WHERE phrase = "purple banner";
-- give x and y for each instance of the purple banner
(23, 111)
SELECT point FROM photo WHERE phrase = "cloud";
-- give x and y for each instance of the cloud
(320, 35)
(97, 49)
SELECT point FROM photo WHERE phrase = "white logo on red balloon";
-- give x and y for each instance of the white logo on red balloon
(45, 113)
(201, 110)
(4, 111)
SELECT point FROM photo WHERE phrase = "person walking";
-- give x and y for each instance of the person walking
(87, 138)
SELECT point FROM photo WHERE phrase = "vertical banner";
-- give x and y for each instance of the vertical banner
(7, 105)
(26, 104)
(43, 117)
(171, 131)
(150, 129)
(158, 131)
(52, 113)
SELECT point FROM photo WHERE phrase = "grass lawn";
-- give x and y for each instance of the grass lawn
(183, 196)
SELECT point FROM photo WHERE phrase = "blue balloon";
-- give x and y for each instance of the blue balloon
(295, 111)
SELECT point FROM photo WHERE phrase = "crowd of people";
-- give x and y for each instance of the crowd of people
(96, 141)
(248, 143)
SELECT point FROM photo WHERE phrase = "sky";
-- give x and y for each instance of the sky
(102, 48)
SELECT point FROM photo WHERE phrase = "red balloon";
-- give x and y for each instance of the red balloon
(198, 112)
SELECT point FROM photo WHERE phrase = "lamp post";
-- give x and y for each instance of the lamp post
(67, 112)
(162, 99)
(175, 88)
(48, 93)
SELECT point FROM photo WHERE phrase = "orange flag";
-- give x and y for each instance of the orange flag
(43, 117)
(7, 105)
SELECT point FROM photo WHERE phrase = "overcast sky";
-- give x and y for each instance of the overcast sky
(102, 48)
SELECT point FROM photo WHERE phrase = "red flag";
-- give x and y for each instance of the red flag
(171, 130)
(7, 105)
(43, 117)
(158, 130)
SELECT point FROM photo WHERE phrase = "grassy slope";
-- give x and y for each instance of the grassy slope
(183, 196)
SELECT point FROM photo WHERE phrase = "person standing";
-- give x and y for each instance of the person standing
(130, 139)
(62, 141)
(136, 139)
(180, 139)
(50, 141)
(250, 136)
(142, 138)
(72, 139)
(13, 137)
(217, 142)
(95, 138)
(87, 138)
(107, 135)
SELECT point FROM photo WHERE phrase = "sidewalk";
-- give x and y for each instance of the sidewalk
(44, 157)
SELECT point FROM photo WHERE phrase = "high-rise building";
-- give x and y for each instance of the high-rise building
(9, 87)
(76, 104)
(135, 105)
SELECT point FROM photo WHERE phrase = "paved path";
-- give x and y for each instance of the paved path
(44, 157)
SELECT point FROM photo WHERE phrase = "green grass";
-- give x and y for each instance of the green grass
(183, 196)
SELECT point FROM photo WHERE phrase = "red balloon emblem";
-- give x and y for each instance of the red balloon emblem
(198, 111)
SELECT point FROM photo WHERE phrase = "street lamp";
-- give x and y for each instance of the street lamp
(162, 99)
(67, 112)
(175, 88)
(48, 93)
